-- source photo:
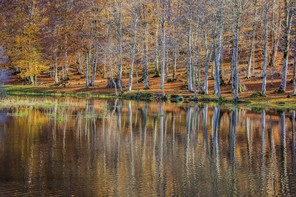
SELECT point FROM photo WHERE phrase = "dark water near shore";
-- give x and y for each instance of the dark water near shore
(67, 146)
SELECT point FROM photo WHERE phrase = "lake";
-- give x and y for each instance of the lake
(88, 147)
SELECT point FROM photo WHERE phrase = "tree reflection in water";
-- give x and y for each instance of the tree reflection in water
(126, 148)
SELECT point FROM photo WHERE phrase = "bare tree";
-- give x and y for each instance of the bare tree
(189, 45)
(238, 7)
(234, 72)
(264, 74)
(251, 52)
(118, 17)
(276, 27)
(218, 54)
(288, 21)
(294, 65)
(135, 16)
(145, 47)
(208, 55)
(163, 41)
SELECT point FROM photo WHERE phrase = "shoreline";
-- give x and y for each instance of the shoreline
(262, 102)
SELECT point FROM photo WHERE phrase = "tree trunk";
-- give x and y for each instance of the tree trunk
(294, 65)
(275, 48)
(198, 71)
(167, 65)
(288, 20)
(119, 37)
(56, 75)
(80, 64)
(207, 63)
(94, 70)
(66, 66)
(111, 75)
(36, 80)
(194, 82)
(87, 69)
(32, 80)
(205, 85)
(163, 57)
(251, 52)
(189, 64)
(235, 78)
(275, 36)
(156, 52)
(264, 74)
(133, 52)
(175, 64)
(218, 55)
(145, 70)
(63, 72)
(198, 79)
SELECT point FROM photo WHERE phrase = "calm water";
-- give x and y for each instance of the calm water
(67, 146)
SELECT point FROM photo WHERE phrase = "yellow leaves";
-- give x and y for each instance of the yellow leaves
(27, 56)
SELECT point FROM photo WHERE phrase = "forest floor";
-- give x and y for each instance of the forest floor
(76, 87)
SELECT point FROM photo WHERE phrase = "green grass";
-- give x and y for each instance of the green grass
(257, 95)
(27, 90)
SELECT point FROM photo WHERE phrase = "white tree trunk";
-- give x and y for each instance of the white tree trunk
(218, 55)
(175, 64)
(135, 20)
(235, 82)
(288, 21)
(251, 52)
(87, 69)
(264, 74)
(145, 70)
(235, 77)
(207, 63)
(208, 54)
(189, 64)
(163, 57)
(294, 65)
(120, 49)
(94, 67)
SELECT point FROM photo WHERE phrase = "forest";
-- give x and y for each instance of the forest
(139, 45)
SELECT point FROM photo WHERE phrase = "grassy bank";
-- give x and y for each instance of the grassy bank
(260, 102)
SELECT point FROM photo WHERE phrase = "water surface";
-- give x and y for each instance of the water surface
(80, 147)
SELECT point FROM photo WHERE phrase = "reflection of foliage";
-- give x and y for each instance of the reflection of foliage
(15, 102)
(60, 118)
(190, 152)
(138, 96)
(20, 113)
(91, 116)
(157, 115)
